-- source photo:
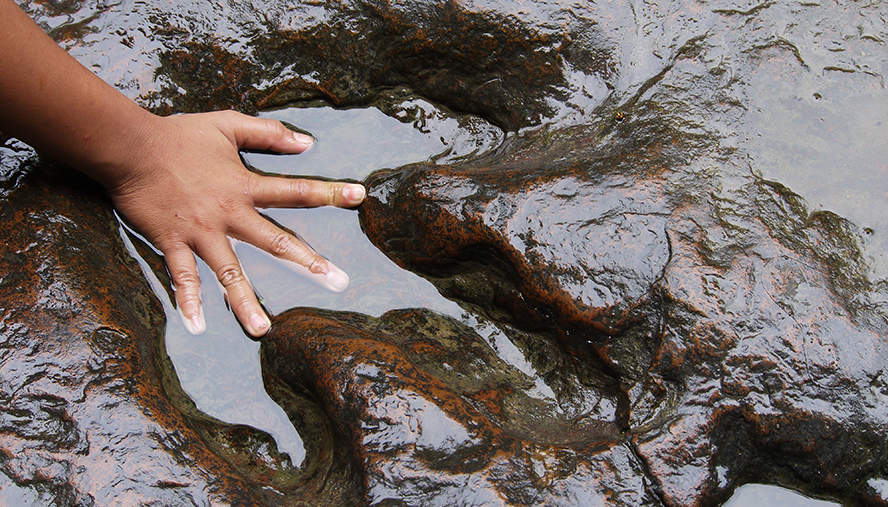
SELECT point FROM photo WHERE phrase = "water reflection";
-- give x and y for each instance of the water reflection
(13, 494)
(761, 495)
(350, 144)
(824, 134)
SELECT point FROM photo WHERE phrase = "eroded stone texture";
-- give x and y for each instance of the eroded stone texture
(648, 322)
(770, 348)
(81, 400)
(569, 248)
(433, 417)
(501, 63)
(89, 413)
(740, 331)
(748, 340)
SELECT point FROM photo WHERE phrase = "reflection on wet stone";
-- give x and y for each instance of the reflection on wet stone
(720, 318)
(82, 396)
(496, 66)
(432, 417)
(644, 317)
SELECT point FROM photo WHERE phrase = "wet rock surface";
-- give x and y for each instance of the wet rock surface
(647, 319)
(433, 417)
(91, 412)
(734, 339)
(84, 417)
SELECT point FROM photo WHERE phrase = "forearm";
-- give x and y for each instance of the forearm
(178, 179)
(50, 101)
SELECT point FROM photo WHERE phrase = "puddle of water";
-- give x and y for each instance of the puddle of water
(825, 136)
(350, 145)
(13, 494)
(763, 495)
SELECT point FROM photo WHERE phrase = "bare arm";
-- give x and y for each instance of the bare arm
(178, 180)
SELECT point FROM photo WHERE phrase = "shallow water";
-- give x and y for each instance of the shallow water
(350, 144)
(804, 130)
(826, 137)
(760, 495)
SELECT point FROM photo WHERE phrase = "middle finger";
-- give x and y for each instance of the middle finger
(295, 254)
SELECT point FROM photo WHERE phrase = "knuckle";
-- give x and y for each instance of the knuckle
(316, 264)
(251, 183)
(276, 128)
(228, 115)
(222, 118)
(186, 279)
(300, 187)
(188, 299)
(280, 244)
(229, 275)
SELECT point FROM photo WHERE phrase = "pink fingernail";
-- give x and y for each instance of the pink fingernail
(198, 326)
(354, 193)
(259, 322)
(303, 139)
(195, 325)
(337, 280)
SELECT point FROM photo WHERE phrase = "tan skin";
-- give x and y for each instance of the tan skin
(178, 180)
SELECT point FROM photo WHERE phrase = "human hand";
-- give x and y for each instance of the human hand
(187, 191)
(178, 180)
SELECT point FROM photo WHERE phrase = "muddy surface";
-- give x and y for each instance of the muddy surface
(656, 233)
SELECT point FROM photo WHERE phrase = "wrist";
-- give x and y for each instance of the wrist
(115, 153)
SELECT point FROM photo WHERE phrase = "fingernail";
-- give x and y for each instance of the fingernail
(195, 325)
(198, 325)
(259, 323)
(304, 140)
(337, 280)
(354, 193)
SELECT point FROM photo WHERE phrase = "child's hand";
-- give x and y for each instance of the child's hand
(187, 191)
(178, 180)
